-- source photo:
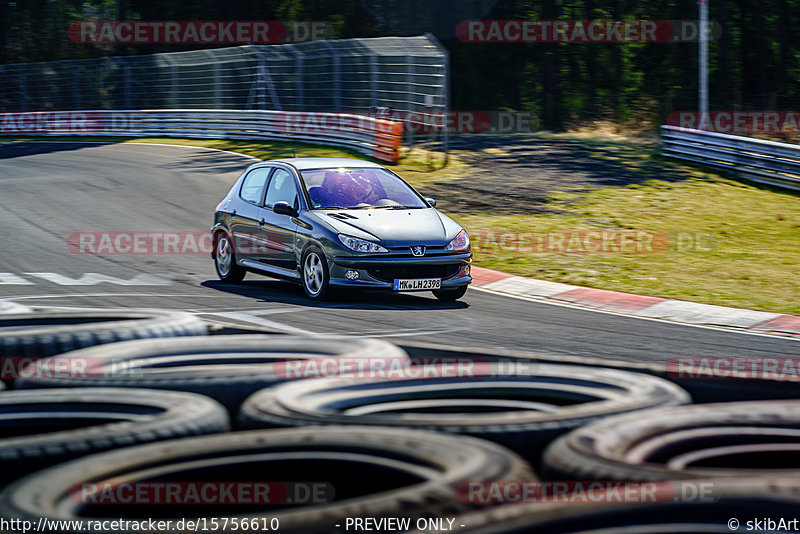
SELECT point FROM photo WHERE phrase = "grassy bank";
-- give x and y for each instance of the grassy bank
(729, 244)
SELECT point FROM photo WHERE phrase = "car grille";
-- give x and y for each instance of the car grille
(388, 273)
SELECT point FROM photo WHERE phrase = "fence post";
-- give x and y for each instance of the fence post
(215, 66)
(444, 92)
(373, 81)
(23, 89)
(337, 76)
(262, 84)
(299, 68)
(76, 85)
(174, 80)
(126, 83)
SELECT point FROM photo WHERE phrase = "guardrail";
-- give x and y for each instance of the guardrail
(768, 162)
(379, 138)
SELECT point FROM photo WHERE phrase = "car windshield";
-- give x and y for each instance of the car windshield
(357, 188)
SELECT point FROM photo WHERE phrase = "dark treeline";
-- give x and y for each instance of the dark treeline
(753, 64)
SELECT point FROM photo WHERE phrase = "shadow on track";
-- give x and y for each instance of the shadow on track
(17, 149)
(289, 293)
(212, 162)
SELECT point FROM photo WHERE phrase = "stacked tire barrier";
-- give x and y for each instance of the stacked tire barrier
(225, 368)
(436, 436)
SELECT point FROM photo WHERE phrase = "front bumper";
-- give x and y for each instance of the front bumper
(367, 266)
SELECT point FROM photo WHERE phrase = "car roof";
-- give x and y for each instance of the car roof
(303, 164)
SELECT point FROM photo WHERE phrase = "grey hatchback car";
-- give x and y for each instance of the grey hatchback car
(338, 223)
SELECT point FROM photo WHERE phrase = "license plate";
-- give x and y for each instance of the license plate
(418, 284)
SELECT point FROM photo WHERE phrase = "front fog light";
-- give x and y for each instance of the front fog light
(466, 270)
(351, 275)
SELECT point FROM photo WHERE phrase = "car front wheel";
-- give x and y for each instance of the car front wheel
(315, 274)
(450, 294)
(225, 260)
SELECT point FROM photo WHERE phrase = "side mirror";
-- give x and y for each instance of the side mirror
(283, 208)
(431, 202)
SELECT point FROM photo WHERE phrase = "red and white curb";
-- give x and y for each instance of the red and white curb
(627, 303)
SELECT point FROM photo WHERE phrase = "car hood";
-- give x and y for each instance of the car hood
(394, 228)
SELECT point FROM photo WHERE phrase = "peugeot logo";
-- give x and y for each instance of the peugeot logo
(418, 250)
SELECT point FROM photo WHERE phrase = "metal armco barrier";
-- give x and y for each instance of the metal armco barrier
(768, 162)
(374, 137)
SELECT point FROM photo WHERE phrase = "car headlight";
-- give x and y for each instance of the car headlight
(460, 242)
(360, 245)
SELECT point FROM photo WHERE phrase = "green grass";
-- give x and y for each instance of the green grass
(731, 243)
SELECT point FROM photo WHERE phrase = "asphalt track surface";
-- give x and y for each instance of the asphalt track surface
(48, 191)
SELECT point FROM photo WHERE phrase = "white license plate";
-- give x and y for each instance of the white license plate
(418, 284)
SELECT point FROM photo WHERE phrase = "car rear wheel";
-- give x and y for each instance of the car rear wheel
(315, 274)
(450, 294)
(225, 260)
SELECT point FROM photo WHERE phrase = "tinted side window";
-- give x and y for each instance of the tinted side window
(281, 187)
(253, 185)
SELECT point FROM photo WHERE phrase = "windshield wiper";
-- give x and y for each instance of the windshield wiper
(391, 207)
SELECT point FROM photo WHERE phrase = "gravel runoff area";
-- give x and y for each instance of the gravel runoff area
(516, 175)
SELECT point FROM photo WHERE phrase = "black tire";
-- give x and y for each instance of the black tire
(225, 259)
(521, 412)
(226, 368)
(314, 274)
(375, 472)
(450, 295)
(733, 499)
(36, 335)
(7, 306)
(42, 428)
(731, 439)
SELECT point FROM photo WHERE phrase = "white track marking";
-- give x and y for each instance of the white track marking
(91, 279)
(255, 319)
(12, 279)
